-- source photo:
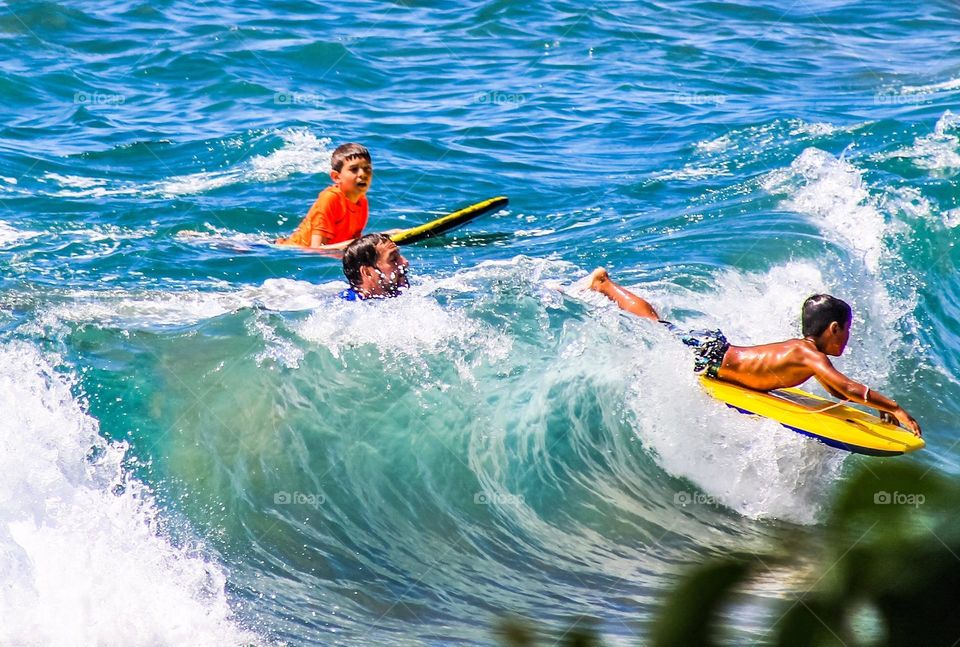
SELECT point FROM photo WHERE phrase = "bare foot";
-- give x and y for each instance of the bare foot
(597, 278)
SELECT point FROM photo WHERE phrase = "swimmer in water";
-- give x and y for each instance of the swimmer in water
(374, 267)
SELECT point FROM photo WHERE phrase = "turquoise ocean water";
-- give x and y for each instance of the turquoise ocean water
(201, 445)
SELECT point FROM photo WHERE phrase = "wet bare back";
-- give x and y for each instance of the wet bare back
(772, 366)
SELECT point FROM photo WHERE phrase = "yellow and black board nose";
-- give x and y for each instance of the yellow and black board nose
(448, 222)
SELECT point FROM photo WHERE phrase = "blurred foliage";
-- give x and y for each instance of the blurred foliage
(887, 574)
(520, 633)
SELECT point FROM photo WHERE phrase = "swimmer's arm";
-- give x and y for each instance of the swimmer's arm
(841, 386)
(834, 392)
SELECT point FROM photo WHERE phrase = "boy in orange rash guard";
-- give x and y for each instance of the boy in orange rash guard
(340, 212)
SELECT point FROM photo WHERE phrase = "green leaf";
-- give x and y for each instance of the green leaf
(688, 617)
(812, 622)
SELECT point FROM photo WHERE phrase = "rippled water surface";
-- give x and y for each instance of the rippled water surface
(194, 428)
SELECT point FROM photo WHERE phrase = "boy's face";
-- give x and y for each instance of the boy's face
(839, 336)
(846, 335)
(354, 177)
(390, 273)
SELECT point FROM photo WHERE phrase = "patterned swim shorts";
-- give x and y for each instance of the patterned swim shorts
(709, 348)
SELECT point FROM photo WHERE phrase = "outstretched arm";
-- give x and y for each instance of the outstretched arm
(841, 386)
(601, 282)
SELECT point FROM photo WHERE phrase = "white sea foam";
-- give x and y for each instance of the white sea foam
(81, 556)
(951, 218)
(133, 310)
(832, 192)
(545, 276)
(99, 233)
(164, 308)
(302, 152)
(816, 129)
(193, 183)
(277, 349)
(756, 140)
(692, 172)
(74, 181)
(407, 326)
(952, 84)
(939, 151)
(10, 236)
(717, 145)
(534, 233)
(104, 239)
(418, 323)
(910, 203)
(212, 235)
(77, 186)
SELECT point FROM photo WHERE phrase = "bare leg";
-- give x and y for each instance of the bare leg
(601, 282)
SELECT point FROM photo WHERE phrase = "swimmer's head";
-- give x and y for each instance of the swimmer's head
(375, 267)
(826, 320)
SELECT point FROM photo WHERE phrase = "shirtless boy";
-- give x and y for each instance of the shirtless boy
(826, 330)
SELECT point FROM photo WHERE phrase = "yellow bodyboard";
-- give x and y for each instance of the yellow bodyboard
(450, 221)
(831, 423)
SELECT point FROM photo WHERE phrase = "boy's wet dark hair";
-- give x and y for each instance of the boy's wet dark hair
(820, 310)
(362, 251)
(346, 152)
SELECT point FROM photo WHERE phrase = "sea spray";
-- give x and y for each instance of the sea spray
(82, 554)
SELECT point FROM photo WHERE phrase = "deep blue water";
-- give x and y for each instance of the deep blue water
(195, 431)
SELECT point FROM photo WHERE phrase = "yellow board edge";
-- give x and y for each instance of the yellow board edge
(841, 426)
(449, 221)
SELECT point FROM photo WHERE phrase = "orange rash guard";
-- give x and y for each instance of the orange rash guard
(332, 216)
